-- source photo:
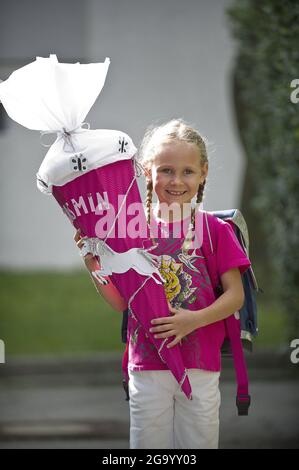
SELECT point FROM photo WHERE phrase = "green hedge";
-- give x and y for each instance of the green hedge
(55, 313)
(267, 35)
(61, 313)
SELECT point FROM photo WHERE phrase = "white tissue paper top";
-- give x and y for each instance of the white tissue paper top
(54, 97)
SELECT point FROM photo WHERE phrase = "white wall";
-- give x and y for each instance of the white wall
(168, 59)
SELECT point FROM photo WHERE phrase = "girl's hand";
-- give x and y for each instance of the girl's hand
(90, 261)
(180, 324)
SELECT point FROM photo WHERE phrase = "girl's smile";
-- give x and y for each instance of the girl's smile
(175, 193)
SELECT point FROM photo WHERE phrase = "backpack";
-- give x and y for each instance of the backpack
(239, 332)
(248, 313)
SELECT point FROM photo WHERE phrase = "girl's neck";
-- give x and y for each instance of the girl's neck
(176, 214)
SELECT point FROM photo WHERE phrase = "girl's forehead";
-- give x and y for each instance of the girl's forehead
(177, 154)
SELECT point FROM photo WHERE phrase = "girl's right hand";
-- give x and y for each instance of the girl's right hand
(90, 261)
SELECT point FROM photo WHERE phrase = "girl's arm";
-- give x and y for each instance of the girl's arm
(228, 303)
(109, 292)
(183, 321)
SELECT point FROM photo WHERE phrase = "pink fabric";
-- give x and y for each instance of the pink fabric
(232, 325)
(233, 332)
(194, 290)
(234, 257)
(79, 199)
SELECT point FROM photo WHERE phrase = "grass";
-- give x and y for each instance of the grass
(55, 313)
(61, 313)
(272, 325)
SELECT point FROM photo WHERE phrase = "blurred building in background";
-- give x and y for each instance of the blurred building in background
(168, 59)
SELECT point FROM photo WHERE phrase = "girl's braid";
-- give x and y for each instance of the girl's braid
(190, 235)
(149, 197)
(148, 203)
(199, 198)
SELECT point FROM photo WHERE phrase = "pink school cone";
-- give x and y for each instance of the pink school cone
(150, 301)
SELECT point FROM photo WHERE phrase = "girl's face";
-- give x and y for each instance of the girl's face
(177, 172)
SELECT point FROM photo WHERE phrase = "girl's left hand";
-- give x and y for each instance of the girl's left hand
(180, 324)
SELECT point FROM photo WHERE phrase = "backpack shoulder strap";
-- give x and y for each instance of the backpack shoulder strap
(209, 250)
(209, 246)
(235, 218)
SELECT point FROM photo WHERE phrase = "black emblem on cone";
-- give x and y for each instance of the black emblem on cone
(79, 162)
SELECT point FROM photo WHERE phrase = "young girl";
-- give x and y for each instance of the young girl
(175, 161)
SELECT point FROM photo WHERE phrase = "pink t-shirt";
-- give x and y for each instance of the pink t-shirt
(188, 285)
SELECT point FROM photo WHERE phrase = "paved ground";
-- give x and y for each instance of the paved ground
(84, 407)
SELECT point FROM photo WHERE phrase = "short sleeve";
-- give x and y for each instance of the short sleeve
(229, 251)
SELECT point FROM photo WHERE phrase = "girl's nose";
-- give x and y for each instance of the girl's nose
(175, 179)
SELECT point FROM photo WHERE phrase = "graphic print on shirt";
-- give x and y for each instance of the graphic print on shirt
(185, 274)
(178, 283)
(186, 277)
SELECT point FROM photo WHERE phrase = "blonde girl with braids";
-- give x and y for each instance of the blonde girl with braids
(191, 147)
(175, 162)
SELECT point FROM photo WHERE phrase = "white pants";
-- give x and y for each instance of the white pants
(163, 418)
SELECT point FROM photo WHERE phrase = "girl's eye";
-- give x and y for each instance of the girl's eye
(188, 171)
